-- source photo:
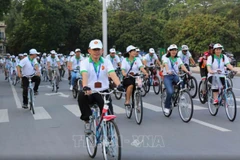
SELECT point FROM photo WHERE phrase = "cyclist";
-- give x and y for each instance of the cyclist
(67, 62)
(95, 71)
(74, 64)
(62, 63)
(138, 55)
(150, 58)
(53, 61)
(43, 63)
(216, 63)
(28, 67)
(171, 68)
(131, 65)
(203, 66)
(114, 59)
(120, 56)
(13, 65)
(186, 56)
(7, 64)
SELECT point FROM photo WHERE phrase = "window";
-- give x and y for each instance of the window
(1, 35)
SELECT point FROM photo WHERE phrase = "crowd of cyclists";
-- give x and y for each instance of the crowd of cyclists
(96, 71)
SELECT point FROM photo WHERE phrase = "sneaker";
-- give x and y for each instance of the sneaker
(166, 110)
(25, 106)
(36, 93)
(71, 87)
(87, 128)
(215, 102)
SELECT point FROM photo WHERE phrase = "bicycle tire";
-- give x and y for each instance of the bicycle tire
(163, 99)
(156, 91)
(31, 102)
(138, 107)
(213, 109)
(91, 153)
(192, 80)
(128, 110)
(182, 107)
(201, 97)
(112, 127)
(118, 95)
(233, 116)
(147, 85)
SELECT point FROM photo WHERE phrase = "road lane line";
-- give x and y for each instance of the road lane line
(16, 98)
(4, 115)
(210, 125)
(41, 113)
(74, 109)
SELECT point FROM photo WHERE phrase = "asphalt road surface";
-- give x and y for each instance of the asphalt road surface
(56, 132)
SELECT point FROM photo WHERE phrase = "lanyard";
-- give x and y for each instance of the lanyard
(172, 64)
(31, 62)
(97, 71)
(219, 61)
(112, 59)
(78, 60)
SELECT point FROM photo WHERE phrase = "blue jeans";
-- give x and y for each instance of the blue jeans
(168, 83)
(73, 77)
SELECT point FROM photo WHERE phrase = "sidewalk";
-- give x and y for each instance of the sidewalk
(197, 70)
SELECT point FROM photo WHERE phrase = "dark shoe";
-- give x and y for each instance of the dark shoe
(6, 78)
(35, 93)
(87, 128)
(57, 87)
(25, 106)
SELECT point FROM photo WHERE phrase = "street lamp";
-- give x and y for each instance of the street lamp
(104, 27)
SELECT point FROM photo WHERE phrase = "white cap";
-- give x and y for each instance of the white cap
(217, 45)
(44, 54)
(185, 47)
(25, 54)
(151, 50)
(13, 56)
(96, 43)
(8, 54)
(112, 50)
(20, 54)
(172, 46)
(77, 50)
(53, 52)
(168, 49)
(119, 52)
(138, 50)
(129, 48)
(33, 51)
(71, 53)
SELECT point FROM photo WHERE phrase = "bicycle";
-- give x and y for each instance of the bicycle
(77, 84)
(137, 103)
(202, 91)
(226, 98)
(55, 79)
(181, 99)
(153, 80)
(14, 78)
(30, 93)
(44, 74)
(104, 131)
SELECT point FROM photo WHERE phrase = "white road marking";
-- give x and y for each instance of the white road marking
(74, 109)
(41, 113)
(58, 93)
(4, 115)
(16, 98)
(210, 125)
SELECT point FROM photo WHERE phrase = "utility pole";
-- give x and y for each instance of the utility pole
(104, 27)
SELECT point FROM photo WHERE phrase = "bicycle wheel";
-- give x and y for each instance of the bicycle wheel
(91, 140)
(192, 86)
(113, 148)
(156, 85)
(163, 99)
(31, 101)
(213, 109)
(202, 97)
(138, 108)
(185, 106)
(14, 80)
(143, 91)
(74, 92)
(230, 105)
(147, 85)
(118, 95)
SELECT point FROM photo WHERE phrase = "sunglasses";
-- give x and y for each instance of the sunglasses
(173, 50)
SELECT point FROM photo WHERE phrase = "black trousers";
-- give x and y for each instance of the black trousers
(84, 102)
(25, 83)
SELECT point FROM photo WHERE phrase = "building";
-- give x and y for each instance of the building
(2, 38)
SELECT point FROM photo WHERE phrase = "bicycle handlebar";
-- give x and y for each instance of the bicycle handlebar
(104, 93)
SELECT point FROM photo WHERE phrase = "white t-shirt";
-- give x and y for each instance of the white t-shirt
(185, 58)
(173, 64)
(105, 66)
(27, 66)
(53, 61)
(126, 65)
(114, 60)
(150, 59)
(76, 62)
(218, 63)
(44, 61)
(163, 57)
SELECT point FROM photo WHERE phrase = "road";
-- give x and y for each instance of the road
(56, 132)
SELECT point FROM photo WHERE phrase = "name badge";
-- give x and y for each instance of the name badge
(98, 85)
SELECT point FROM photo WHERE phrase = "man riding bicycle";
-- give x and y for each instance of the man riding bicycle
(95, 71)
(7, 64)
(28, 67)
